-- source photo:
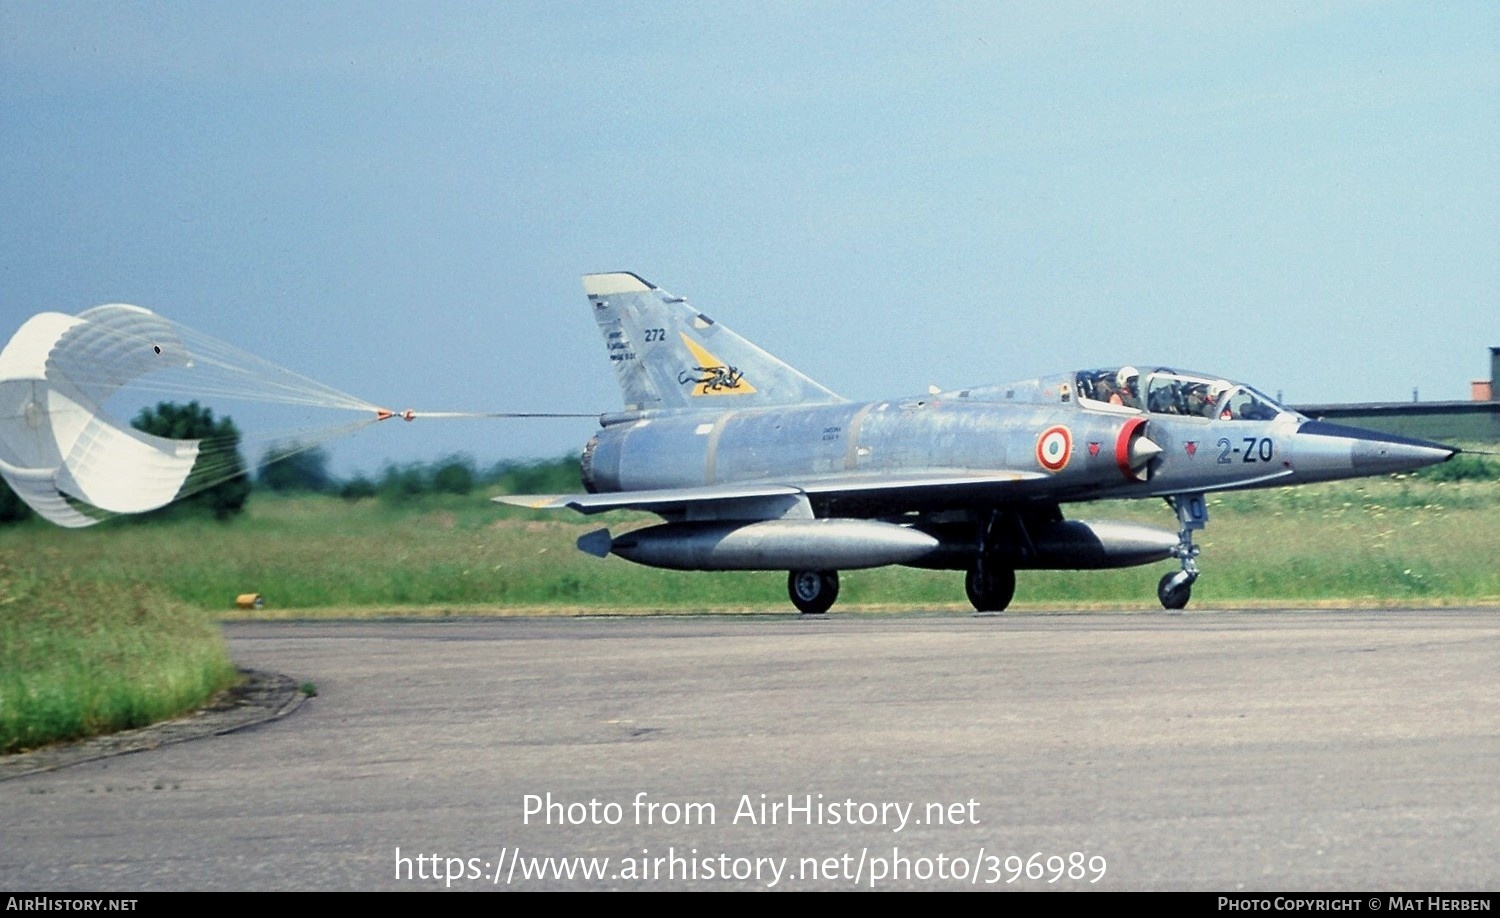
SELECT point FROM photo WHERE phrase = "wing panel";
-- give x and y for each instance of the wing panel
(908, 490)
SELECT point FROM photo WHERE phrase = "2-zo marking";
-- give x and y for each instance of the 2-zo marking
(1256, 449)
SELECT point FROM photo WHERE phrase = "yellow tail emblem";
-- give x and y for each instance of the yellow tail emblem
(712, 376)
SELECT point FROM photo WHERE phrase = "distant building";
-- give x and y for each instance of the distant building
(1475, 420)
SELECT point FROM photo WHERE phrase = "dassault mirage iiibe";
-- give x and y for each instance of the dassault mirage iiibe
(754, 466)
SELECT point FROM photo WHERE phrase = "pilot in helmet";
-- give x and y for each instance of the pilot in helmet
(1216, 391)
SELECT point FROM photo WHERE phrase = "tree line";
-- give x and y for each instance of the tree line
(294, 469)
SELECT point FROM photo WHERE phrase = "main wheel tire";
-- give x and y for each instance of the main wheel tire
(813, 592)
(990, 587)
(1174, 595)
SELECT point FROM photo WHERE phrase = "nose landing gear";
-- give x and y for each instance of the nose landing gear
(1175, 590)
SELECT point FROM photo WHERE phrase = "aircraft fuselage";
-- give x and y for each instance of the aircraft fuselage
(752, 465)
(1079, 449)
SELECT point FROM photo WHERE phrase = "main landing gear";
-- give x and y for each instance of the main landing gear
(990, 582)
(813, 592)
(990, 586)
(1175, 590)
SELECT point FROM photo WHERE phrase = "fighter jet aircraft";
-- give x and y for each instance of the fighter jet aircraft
(754, 466)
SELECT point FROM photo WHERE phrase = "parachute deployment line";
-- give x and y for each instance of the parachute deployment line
(68, 384)
(409, 414)
(385, 414)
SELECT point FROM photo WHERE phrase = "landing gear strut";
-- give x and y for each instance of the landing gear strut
(813, 592)
(991, 583)
(1175, 590)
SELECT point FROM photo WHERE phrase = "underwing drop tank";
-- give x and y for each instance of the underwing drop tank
(1099, 544)
(1076, 545)
(848, 544)
(767, 545)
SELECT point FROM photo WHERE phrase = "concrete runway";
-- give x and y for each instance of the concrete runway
(1228, 751)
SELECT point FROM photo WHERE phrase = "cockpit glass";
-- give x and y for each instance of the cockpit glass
(1166, 391)
(1112, 386)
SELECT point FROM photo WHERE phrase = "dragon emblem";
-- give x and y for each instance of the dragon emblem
(712, 379)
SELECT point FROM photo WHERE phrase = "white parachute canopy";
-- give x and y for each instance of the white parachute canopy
(68, 459)
(74, 464)
(56, 442)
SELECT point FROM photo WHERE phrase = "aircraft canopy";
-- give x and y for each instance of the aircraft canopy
(1166, 391)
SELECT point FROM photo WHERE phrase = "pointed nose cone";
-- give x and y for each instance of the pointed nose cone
(1324, 450)
(1142, 451)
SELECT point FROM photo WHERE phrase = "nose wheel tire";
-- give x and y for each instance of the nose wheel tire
(990, 587)
(813, 592)
(1175, 590)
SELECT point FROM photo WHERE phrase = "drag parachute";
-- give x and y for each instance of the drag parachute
(75, 464)
(55, 440)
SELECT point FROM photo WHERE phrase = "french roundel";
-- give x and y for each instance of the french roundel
(1054, 448)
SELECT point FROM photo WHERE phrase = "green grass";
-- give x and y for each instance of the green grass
(1385, 540)
(113, 626)
(79, 656)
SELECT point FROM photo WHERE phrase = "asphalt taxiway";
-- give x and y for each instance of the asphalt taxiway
(1234, 751)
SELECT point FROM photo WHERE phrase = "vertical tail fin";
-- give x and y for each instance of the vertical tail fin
(668, 355)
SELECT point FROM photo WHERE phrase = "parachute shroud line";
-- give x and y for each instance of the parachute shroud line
(75, 465)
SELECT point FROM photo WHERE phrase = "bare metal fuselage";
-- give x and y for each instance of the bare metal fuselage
(976, 430)
(752, 465)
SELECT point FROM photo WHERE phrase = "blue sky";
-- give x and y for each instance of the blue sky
(398, 198)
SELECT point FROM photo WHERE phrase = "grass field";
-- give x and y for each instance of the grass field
(114, 626)
(1392, 540)
(79, 657)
